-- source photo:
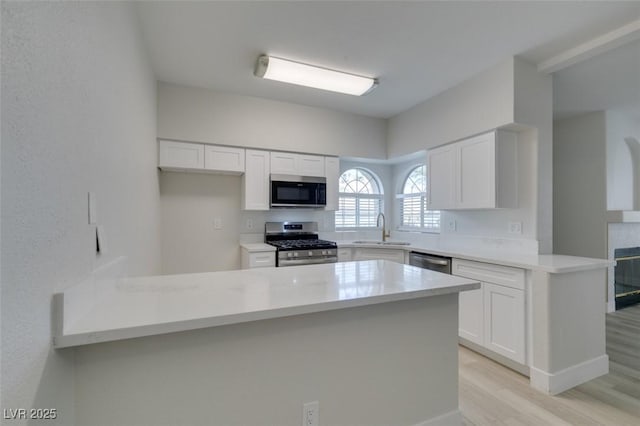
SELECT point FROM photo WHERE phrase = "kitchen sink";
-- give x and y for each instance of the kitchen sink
(383, 243)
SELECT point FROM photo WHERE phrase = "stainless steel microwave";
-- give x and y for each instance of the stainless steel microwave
(298, 191)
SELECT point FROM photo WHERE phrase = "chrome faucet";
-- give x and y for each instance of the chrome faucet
(384, 234)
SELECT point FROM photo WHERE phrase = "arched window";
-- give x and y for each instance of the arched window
(413, 208)
(360, 199)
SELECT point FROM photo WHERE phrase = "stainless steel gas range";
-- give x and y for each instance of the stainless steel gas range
(297, 243)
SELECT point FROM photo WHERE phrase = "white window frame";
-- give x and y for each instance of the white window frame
(360, 196)
(425, 214)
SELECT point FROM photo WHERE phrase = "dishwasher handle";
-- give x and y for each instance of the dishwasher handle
(433, 261)
(437, 263)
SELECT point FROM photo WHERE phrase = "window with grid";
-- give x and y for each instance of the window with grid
(413, 205)
(360, 199)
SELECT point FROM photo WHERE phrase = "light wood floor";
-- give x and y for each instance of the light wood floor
(491, 394)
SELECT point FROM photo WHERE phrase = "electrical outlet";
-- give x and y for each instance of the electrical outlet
(451, 225)
(515, 227)
(217, 223)
(310, 413)
(249, 223)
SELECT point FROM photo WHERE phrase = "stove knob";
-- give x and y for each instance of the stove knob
(289, 254)
(324, 252)
(310, 253)
(295, 254)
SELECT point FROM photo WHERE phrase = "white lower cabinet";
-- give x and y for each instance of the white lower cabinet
(504, 331)
(344, 254)
(261, 259)
(494, 315)
(471, 314)
(394, 255)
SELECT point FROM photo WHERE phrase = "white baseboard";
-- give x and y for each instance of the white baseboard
(452, 418)
(555, 383)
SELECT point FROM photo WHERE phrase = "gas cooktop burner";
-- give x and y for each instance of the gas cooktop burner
(298, 243)
(302, 244)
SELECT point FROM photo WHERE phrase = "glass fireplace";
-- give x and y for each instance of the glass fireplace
(627, 276)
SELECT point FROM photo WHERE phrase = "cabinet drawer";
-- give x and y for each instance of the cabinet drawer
(488, 272)
(262, 260)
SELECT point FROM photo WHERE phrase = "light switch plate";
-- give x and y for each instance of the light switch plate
(92, 208)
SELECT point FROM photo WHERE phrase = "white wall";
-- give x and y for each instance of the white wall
(620, 177)
(385, 364)
(191, 201)
(513, 95)
(579, 188)
(481, 103)
(201, 115)
(78, 115)
(533, 107)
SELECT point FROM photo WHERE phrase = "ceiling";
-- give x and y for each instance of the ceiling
(608, 81)
(415, 49)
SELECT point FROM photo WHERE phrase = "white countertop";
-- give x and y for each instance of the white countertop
(552, 263)
(257, 247)
(146, 306)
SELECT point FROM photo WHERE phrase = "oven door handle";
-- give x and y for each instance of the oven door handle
(293, 262)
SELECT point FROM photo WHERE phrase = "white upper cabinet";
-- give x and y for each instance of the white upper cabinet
(311, 165)
(224, 159)
(288, 163)
(255, 181)
(186, 156)
(332, 173)
(475, 173)
(441, 168)
(181, 155)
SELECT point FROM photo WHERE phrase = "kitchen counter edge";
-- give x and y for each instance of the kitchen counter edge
(551, 263)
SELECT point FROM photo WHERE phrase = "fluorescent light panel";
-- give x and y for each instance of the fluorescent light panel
(292, 72)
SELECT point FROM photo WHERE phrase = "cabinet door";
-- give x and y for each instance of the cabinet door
(224, 159)
(344, 254)
(379, 254)
(332, 172)
(181, 155)
(441, 169)
(504, 328)
(311, 165)
(470, 315)
(285, 163)
(255, 181)
(477, 172)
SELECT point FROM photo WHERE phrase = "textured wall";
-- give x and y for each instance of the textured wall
(579, 185)
(386, 364)
(201, 115)
(78, 115)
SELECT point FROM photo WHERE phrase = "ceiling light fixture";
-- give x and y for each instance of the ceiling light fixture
(292, 72)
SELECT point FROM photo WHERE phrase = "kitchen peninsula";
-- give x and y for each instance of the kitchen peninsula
(374, 342)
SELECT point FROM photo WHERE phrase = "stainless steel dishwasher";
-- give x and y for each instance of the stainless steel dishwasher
(430, 261)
